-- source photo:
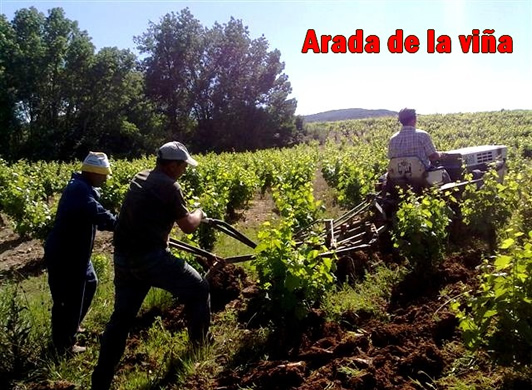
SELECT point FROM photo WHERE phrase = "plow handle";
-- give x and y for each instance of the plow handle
(230, 231)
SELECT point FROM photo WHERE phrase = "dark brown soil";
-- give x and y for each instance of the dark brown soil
(226, 283)
(57, 385)
(18, 257)
(399, 354)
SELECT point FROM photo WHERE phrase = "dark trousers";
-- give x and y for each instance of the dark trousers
(133, 280)
(72, 294)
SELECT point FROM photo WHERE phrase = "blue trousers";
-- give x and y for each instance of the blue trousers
(133, 279)
(72, 293)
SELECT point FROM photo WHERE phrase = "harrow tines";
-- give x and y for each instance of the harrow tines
(353, 212)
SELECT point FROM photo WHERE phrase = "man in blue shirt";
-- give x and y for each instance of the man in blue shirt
(68, 250)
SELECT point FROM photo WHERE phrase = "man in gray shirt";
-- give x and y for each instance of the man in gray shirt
(142, 259)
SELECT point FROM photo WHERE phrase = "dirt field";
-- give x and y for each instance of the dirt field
(361, 352)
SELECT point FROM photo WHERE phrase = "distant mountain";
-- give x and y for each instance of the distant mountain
(348, 113)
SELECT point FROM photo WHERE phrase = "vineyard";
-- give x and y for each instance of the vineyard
(444, 303)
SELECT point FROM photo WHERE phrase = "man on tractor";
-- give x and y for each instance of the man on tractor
(412, 155)
(409, 141)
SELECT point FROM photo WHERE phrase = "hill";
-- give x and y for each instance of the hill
(347, 113)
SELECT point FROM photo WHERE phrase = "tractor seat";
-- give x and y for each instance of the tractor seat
(405, 171)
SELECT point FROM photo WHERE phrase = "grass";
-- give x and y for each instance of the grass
(228, 246)
(159, 358)
(350, 372)
(473, 370)
(369, 296)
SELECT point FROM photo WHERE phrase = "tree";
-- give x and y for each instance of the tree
(59, 99)
(218, 88)
(175, 49)
(41, 72)
(8, 122)
(247, 105)
(114, 114)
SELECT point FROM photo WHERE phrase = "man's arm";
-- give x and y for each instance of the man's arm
(190, 222)
(435, 156)
(430, 150)
(99, 215)
(438, 156)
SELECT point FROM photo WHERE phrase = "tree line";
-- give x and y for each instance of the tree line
(215, 89)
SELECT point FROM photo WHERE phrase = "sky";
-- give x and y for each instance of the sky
(446, 82)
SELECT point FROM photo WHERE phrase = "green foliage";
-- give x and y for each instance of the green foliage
(60, 99)
(370, 296)
(115, 188)
(214, 204)
(352, 171)
(102, 266)
(498, 316)
(217, 86)
(297, 203)
(489, 207)
(212, 88)
(420, 229)
(16, 347)
(521, 218)
(242, 187)
(25, 201)
(293, 278)
(164, 352)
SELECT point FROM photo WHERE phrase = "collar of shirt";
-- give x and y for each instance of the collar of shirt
(408, 128)
(95, 191)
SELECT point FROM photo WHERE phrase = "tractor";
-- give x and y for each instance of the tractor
(360, 228)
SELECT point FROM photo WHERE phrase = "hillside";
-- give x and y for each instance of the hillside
(347, 113)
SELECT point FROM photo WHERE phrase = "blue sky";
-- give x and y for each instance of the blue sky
(431, 83)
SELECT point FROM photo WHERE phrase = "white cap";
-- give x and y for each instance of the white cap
(96, 162)
(175, 151)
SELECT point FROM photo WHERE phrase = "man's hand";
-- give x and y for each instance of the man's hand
(204, 218)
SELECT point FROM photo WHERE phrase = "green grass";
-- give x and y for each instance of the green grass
(160, 358)
(228, 246)
(370, 296)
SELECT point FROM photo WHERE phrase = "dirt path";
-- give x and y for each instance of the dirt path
(324, 193)
(20, 258)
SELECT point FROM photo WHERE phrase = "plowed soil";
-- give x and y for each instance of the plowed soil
(361, 352)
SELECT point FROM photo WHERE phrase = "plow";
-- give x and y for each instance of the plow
(362, 227)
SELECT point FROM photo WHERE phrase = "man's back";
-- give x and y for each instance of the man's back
(151, 206)
(74, 226)
(409, 142)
